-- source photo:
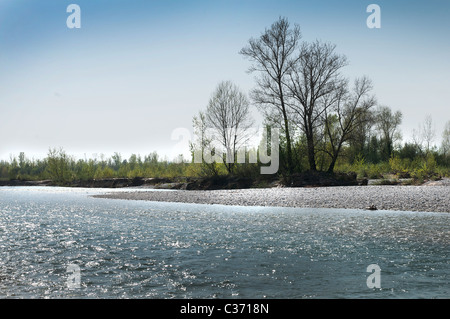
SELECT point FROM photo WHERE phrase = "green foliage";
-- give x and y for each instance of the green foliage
(59, 166)
(400, 167)
(425, 169)
(63, 169)
(409, 151)
(359, 166)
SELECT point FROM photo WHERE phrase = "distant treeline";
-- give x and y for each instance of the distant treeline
(407, 161)
(62, 168)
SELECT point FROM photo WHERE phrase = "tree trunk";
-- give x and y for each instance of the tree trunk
(332, 164)
(310, 144)
(311, 153)
(289, 149)
(286, 128)
(335, 157)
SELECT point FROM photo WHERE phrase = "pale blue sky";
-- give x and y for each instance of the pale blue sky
(137, 70)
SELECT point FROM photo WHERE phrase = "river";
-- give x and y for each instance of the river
(62, 243)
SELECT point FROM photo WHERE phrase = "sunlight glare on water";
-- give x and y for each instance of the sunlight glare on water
(136, 249)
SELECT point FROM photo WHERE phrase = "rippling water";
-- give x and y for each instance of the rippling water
(131, 249)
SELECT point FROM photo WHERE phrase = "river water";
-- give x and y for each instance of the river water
(62, 243)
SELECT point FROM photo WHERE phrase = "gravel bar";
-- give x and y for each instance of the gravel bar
(426, 198)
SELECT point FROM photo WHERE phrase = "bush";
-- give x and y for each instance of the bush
(425, 169)
(400, 167)
(375, 171)
(59, 166)
(106, 172)
(247, 170)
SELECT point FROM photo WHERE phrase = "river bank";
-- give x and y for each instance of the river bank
(433, 197)
(306, 179)
(203, 183)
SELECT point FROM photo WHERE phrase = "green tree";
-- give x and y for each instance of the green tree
(13, 168)
(445, 146)
(388, 124)
(350, 113)
(314, 85)
(59, 166)
(202, 144)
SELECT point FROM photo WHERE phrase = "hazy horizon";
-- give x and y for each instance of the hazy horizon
(136, 71)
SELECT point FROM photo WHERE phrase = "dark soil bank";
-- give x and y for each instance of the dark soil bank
(208, 183)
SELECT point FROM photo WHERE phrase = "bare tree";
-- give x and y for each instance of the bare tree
(424, 136)
(427, 134)
(315, 84)
(349, 112)
(228, 114)
(201, 143)
(387, 124)
(273, 55)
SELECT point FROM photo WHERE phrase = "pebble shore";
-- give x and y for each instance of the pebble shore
(432, 197)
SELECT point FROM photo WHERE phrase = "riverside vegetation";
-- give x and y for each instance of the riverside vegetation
(406, 165)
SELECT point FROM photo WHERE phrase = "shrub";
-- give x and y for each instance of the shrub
(400, 167)
(425, 169)
(59, 166)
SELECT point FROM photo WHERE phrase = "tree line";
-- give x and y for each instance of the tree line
(63, 168)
